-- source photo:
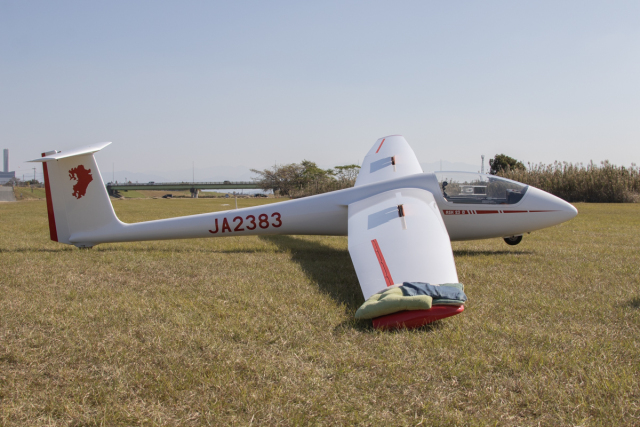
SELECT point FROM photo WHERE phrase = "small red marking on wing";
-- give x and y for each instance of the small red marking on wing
(380, 146)
(545, 211)
(383, 263)
(487, 212)
(515, 211)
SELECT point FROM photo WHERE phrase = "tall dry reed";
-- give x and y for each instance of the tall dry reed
(604, 183)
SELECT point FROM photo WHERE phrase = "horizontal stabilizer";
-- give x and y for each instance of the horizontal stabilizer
(57, 155)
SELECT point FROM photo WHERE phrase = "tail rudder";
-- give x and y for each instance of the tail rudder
(77, 199)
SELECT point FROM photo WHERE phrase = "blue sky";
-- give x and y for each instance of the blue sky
(247, 84)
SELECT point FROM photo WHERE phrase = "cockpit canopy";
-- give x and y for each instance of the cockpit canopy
(475, 188)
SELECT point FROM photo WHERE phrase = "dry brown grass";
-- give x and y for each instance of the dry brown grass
(261, 330)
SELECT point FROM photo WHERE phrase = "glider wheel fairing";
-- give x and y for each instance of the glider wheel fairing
(513, 240)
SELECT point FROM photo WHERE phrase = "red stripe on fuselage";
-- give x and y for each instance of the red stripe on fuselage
(383, 263)
(380, 146)
(53, 232)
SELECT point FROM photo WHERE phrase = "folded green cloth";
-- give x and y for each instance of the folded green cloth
(402, 297)
(390, 301)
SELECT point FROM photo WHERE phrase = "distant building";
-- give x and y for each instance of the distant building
(5, 175)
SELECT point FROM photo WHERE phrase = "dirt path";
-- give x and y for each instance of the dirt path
(6, 194)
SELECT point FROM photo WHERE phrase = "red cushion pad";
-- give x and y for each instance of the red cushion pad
(415, 318)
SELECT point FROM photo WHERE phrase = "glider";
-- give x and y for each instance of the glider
(399, 221)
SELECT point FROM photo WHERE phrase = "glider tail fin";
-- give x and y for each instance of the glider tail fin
(77, 199)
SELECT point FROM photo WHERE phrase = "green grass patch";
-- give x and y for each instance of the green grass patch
(246, 330)
(26, 193)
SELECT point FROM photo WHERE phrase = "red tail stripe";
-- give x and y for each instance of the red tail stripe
(383, 263)
(53, 232)
(380, 146)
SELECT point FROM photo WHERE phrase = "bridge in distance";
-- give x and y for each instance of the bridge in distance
(193, 187)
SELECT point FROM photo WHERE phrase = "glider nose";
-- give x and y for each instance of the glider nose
(569, 209)
(553, 207)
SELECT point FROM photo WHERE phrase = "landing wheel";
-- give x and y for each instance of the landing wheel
(513, 240)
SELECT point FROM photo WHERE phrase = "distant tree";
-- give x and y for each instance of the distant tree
(287, 179)
(504, 163)
(305, 178)
(347, 174)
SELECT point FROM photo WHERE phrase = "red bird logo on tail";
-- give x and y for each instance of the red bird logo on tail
(83, 176)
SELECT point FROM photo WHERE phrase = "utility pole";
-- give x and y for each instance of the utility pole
(34, 173)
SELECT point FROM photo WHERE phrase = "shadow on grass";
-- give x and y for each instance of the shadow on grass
(26, 250)
(634, 302)
(367, 326)
(330, 268)
(187, 249)
(333, 271)
(465, 252)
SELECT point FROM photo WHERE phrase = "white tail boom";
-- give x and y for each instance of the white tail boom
(81, 213)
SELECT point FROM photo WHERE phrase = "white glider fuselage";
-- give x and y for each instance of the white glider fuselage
(327, 214)
(399, 220)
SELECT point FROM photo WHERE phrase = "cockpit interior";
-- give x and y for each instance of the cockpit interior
(474, 188)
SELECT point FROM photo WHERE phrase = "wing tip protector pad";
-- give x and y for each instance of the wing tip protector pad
(412, 319)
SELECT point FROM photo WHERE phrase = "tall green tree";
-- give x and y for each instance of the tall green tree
(504, 163)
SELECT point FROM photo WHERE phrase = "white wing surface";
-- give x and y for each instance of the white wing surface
(387, 248)
(390, 157)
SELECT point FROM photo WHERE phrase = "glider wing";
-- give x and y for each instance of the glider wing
(390, 157)
(399, 236)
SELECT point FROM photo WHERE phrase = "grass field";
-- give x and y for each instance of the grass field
(27, 193)
(150, 194)
(261, 330)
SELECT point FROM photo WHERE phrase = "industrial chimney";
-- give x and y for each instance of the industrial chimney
(6, 160)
